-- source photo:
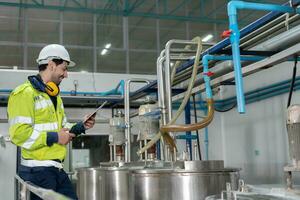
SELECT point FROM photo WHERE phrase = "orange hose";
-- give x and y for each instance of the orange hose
(192, 127)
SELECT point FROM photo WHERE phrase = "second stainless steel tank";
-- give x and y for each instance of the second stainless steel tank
(174, 181)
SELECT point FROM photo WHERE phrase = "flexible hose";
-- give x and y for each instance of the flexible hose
(166, 135)
(292, 82)
(177, 63)
(192, 127)
(192, 81)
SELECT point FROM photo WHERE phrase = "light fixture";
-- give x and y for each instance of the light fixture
(108, 45)
(172, 64)
(103, 52)
(207, 38)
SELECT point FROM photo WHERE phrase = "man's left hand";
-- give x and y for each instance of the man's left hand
(89, 123)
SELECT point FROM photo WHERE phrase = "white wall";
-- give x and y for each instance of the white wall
(87, 82)
(257, 140)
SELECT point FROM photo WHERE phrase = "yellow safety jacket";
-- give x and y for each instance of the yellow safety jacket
(31, 115)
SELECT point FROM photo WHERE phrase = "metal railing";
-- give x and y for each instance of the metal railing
(26, 188)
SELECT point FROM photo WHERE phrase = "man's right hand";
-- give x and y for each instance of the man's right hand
(64, 137)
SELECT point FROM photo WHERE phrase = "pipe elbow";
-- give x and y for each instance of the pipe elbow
(206, 58)
(232, 7)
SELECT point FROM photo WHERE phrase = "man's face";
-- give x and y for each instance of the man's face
(59, 72)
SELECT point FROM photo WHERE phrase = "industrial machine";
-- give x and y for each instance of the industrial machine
(148, 128)
(117, 137)
(293, 130)
(158, 173)
(180, 180)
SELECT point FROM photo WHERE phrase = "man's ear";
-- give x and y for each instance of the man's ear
(51, 65)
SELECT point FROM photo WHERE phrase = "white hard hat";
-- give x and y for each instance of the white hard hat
(54, 51)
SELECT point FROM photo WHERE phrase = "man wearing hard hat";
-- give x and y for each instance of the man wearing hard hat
(39, 126)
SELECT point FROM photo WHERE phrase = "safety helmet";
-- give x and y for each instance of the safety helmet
(54, 51)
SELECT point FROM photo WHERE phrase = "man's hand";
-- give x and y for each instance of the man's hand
(89, 123)
(64, 137)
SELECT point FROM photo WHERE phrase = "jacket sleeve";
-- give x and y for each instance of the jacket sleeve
(21, 122)
(76, 128)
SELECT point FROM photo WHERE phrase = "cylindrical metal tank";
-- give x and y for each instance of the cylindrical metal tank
(103, 183)
(201, 179)
(293, 129)
(176, 181)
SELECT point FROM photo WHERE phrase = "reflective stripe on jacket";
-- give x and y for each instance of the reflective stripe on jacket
(31, 115)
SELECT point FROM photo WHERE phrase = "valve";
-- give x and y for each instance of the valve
(226, 33)
(209, 74)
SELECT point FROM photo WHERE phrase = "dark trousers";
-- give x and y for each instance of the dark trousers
(48, 178)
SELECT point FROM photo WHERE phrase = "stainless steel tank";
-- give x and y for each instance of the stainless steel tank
(172, 181)
(103, 183)
(293, 129)
(198, 180)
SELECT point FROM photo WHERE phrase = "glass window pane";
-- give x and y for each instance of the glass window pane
(78, 17)
(11, 56)
(170, 29)
(143, 62)
(142, 33)
(11, 25)
(112, 62)
(109, 30)
(43, 31)
(33, 53)
(83, 59)
(78, 34)
(11, 29)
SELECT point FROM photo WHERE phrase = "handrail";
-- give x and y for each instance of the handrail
(25, 188)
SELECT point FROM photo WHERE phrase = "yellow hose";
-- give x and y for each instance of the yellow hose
(165, 135)
(192, 127)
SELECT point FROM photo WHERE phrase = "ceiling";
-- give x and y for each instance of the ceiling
(136, 29)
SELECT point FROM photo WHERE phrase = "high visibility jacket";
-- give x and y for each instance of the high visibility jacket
(31, 115)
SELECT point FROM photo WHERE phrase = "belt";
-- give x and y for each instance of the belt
(42, 163)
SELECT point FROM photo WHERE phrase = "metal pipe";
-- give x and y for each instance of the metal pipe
(168, 74)
(161, 96)
(127, 114)
(115, 152)
(141, 146)
(160, 87)
(188, 133)
(146, 152)
(110, 153)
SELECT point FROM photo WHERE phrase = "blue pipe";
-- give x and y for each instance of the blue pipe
(225, 43)
(266, 90)
(118, 90)
(188, 133)
(259, 93)
(205, 129)
(238, 79)
(158, 150)
(235, 40)
(184, 137)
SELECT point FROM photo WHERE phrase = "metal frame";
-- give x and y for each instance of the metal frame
(127, 115)
(26, 188)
